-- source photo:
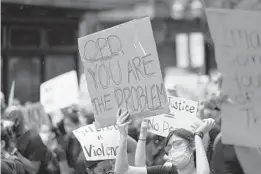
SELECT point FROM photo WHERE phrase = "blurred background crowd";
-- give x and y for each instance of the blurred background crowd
(39, 42)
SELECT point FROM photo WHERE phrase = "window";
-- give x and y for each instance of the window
(61, 37)
(190, 50)
(182, 49)
(197, 50)
(25, 37)
(56, 65)
(25, 71)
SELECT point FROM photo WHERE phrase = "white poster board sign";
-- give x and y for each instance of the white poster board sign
(182, 115)
(98, 144)
(163, 124)
(237, 39)
(84, 96)
(59, 92)
(122, 68)
(182, 107)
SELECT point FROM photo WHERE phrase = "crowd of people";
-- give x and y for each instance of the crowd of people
(53, 149)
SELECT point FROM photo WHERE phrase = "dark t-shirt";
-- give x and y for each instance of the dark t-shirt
(30, 145)
(161, 170)
(8, 166)
(72, 149)
(224, 160)
(19, 167)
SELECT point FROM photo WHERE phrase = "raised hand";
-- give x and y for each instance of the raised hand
(206, 126)
(144, 126)
(123, 122)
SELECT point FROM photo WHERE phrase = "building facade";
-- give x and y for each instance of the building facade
(39, 38)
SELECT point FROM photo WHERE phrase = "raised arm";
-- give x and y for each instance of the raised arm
(122, 163)
(201, 157)
(131, 145)
(131, 149)
(140, 155)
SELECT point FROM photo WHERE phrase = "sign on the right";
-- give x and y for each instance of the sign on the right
(237, 41)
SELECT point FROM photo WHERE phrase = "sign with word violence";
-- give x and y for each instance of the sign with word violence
(237, 39)
(122, 69)
(98, 144)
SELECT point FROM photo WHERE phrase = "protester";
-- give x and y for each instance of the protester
(30, 149)
(70, 122)
(56, 154)
(8, 166)
(9, 162)
(85, 117)
(155, 150)
(179, 147)
(95, 167)
(67, 140)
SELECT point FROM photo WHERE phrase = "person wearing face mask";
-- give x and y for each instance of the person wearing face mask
(180, 147)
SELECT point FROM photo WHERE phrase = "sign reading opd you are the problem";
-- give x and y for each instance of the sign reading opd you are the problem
(123, 71)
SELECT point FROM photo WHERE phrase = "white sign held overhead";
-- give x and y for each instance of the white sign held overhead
(123, 71)
(59, 92)
(163, 124)
(98, 144)
(180, 106)
(84, 96)
(182, 115)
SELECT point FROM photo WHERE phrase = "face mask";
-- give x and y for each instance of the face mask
(180, 157)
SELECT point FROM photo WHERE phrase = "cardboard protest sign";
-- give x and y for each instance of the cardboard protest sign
(11, 95)
(236, 36)
(180, 106)
(98, 144)
(59, 92)
(182, 115)
(249, 158)
(122, 70)
(163, 124)
(35, 116)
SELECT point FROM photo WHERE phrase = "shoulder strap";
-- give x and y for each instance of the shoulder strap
(217, 139)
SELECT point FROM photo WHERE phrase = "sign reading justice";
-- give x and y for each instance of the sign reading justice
(182, 115)
(122, 70)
